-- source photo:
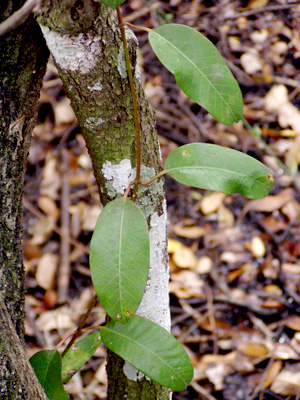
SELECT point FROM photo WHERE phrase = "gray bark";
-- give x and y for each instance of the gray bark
(86, 45)
(23, 59)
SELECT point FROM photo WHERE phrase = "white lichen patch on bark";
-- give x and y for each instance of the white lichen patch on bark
(118, 176)
(93, 122)
(155, 302)
(121, 55)
(132, 373)
(122, 63)
(97, 87)
(75, 53)
(130, 35)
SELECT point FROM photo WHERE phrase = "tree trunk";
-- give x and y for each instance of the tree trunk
(23, 59)
(88, 51)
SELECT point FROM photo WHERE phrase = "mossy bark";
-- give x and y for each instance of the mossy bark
(23, 59)
(87, 47)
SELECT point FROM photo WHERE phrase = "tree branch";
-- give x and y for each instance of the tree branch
(19, 17)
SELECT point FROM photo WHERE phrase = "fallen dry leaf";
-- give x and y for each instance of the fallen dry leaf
(225, 217)
(253, 349)
(51, 178)
(270, 203)
(63, 112)
(174, 245)
(285, 352)
(42, 229)
(190, 232)
(291, 210)
(46, 270)
(211, 202)
(101, 375)
(216, 374)
(204, 265)
(287, 383)
(254, 4)
(60, 318)
(186, 284)
(290, 268)
(185, 258)
(251, 63)
(277, 101)
(271, 373)
(257, 247)
(293, 322)
(48, 206)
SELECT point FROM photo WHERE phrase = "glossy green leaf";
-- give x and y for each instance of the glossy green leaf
(79, 354)
(208, 166)
(199, 69)
(119, 258)
(151, 349)
(47, 367)
(113, 3)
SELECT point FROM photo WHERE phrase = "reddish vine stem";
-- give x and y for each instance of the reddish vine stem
(88, 328)
(79, 329)
(134, 105)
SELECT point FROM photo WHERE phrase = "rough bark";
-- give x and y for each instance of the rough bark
(88, 51)
(23, 58)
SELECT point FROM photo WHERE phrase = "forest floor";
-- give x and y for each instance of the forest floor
(234, 263)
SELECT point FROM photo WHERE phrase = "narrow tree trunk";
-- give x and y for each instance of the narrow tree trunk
(88, 51)
(23, 59)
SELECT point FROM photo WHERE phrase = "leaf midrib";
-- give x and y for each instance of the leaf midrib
(149, 350)
(215, 169)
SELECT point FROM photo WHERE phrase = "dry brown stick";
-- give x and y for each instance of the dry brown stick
(56, 229)
(261, 10)
(63, 281)
(19, 17)
(211, 316)
(11, 346)
(202, 391)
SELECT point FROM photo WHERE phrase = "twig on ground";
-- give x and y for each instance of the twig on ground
(63, 281)
(261, 10)
(202, 391)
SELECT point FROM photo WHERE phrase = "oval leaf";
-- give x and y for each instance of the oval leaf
(208, 166)
(119, 258)
(151, 349)
(79, 354)
(47, 367)
(113, 3)
(199, 69)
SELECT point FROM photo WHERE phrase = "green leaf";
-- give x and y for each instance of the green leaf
(113, 3)
(208, 166)
(79, 354)
(119, 258)
(47, 367)
(199, 69)
(151, 349)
